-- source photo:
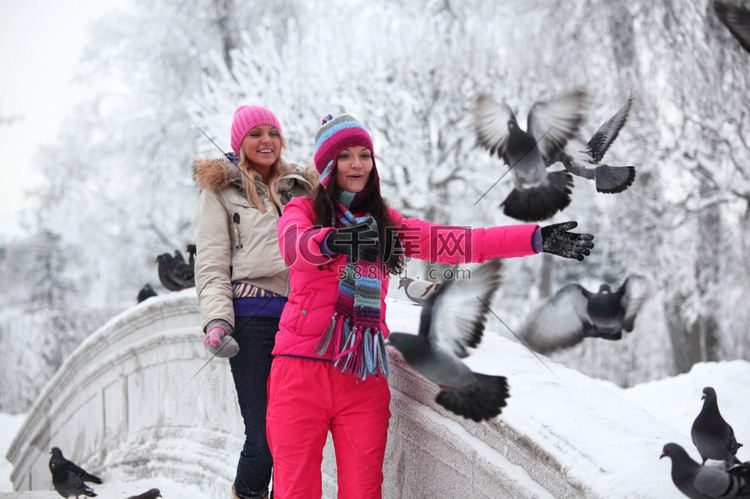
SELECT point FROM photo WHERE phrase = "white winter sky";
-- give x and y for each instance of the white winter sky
(40, 43)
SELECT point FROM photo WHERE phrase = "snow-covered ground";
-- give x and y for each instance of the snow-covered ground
(9, 424)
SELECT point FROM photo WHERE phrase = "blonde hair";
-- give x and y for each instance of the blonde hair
(278, 168)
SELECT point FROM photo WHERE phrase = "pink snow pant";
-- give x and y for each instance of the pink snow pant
(306, 399)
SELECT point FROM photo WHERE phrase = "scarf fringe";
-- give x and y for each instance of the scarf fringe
(361, 352)
(325, 340)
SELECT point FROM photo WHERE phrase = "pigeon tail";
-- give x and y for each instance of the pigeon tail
(479, 401)
(613, 179)
(540, 203)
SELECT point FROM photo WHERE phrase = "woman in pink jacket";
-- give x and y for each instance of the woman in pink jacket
(330, 365)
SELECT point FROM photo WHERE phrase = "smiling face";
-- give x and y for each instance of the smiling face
(353, 168)
(262, 146)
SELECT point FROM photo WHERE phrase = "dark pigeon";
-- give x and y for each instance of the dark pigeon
(575, 313)
(740, 470)
(453, 319)
(702, 482)
(165, 264)
(149, 494)
(146, 291)
(712, 436)
(418, 290)
(584, 160)
(68, 478)
(537, 194)
(736, 19)
(181, 272)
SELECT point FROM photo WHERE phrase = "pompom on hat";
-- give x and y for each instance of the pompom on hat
(248, 117)
(334, 135)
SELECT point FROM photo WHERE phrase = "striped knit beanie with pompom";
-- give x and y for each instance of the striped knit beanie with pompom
(334, 135)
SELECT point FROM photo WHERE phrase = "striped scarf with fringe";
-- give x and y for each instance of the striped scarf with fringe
(358, 342)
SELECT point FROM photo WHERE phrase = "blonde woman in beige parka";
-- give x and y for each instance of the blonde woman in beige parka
(240, 278)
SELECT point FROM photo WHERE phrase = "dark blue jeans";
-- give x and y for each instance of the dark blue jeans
(250, 368)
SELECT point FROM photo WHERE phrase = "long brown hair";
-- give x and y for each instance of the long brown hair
(278, 168)
(325, 201)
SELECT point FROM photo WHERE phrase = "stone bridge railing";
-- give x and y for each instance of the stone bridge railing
(128, 405)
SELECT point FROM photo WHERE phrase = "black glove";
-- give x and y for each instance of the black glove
(360, 241)
(557, 240)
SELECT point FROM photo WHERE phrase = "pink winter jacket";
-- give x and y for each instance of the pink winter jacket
(314, 284)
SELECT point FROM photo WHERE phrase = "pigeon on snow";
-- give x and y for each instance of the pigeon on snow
(149, 494)
(575, 313)
(453, 319)
(713, 437)
(537, 194)
(146, 291)
(736, 19)
(580, 159)
(165, 264)
(182, 272)
(702, 482)
(418, 290)
(68, 478)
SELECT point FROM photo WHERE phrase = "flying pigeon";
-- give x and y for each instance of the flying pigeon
(702, 482)
(736, 19)
(181, 272)
(452, 320)
(575, 313)
(418, 290)
(68, 477)
(537, 194)
(712, 436)
(146, 292)
(149, 494)
(578, 158)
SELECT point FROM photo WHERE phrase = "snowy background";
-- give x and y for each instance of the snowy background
(112, 185)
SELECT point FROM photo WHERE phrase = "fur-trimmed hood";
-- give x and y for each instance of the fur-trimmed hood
(216, 174)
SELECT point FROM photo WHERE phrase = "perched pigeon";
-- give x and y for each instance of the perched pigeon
(702, 482)
(149, 494)
(736, 19)
(712, 436)
(181, 272)
(537, 194)
(146, 292)
(579, 158)
(68, 477)
(453, 319)
(166, 263)
(575, 313)
(418, 290)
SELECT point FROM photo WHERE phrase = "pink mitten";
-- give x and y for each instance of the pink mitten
(214, 336)
(219, 341)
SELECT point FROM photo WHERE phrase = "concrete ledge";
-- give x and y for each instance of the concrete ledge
(128, 406)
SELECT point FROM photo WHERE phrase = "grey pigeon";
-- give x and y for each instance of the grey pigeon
(146, 292)
(702, 482)
(453, 319)
(584, 160)
(575, 313)
(736, 19)
(418, 290)
(149, 494)
(712, 436)
(537, 194)
(68, 478)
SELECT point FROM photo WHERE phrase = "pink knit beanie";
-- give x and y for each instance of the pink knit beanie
(248, 117)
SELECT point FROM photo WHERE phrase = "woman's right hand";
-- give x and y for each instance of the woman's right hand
(218, 340)
(360, 241)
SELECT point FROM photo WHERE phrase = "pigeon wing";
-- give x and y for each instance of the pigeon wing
(491, 122)
(459, 312)
(607, 133)
(718, 483)
(634, 292)
(552, 123)
(737, 20)
(559, 323)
